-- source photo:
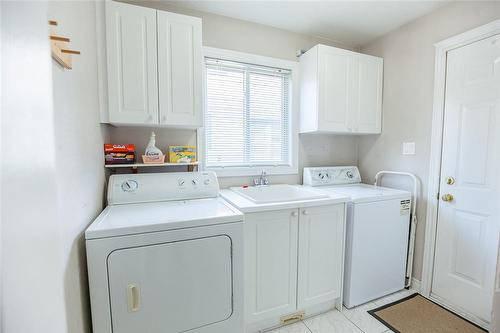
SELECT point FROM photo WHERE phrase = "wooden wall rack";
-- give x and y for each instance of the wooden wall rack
(59, 48)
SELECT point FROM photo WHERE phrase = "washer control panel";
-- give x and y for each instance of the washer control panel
(331, 175)
(162, 187)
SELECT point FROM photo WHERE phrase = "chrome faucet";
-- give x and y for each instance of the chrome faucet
(262, 180)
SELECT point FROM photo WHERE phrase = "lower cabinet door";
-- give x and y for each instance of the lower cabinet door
(171, 287)
(270, 264)
(321, 243)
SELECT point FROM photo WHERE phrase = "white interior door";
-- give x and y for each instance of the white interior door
(467, 229)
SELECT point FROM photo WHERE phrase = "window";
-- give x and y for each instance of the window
(248, 117)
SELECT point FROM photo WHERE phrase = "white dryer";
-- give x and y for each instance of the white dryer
(378, 224)
(166, 255)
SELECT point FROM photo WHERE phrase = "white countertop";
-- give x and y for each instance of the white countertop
(247, 206)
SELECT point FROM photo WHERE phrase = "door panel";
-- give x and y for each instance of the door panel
(271, 264)
(334, 84)
(367, 107)
(321, 243)
(476, 134)
(180, 70)
(171, 287)
(132, 64)
(467, 229)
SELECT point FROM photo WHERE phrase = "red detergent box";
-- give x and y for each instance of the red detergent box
(119, 154)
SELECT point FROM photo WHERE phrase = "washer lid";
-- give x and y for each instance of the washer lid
(120, 220)
(367, 193)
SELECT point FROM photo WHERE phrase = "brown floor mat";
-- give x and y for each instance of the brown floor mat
(417, 314)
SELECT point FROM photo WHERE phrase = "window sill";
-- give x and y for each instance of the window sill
(253, 171)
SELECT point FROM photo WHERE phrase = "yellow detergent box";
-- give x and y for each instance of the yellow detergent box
(182, 154)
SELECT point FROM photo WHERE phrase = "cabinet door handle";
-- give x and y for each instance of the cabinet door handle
(133, 298)
(305, 212)
(294, 214)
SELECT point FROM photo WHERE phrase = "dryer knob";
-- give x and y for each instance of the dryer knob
(129, 185)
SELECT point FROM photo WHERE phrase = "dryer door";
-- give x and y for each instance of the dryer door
(171, 287)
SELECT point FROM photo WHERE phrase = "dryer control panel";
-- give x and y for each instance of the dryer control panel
(331, 175)
(150, 187)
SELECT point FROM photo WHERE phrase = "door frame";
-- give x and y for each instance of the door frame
(442, 48)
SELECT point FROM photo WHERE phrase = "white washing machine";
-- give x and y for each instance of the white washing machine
(166, 255)
(378, 224)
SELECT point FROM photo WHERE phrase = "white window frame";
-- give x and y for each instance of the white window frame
(293, 66)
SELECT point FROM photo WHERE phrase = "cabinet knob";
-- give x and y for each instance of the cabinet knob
(305, 212)
(294, 214)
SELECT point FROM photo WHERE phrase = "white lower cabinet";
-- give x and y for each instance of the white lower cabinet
(321, 244)
(271, 265)
(293, 263)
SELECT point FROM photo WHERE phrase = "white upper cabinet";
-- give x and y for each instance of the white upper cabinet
(180, 63)
(341, 91)
(132, 64)
(154, 67)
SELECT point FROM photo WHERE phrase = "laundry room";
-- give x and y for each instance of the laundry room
(250, 166)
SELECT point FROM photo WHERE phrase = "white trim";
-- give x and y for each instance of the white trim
(416, 285)
(442, 49)
(293, 66)
(102, 71)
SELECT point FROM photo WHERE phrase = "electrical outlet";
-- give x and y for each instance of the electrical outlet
(408, 148)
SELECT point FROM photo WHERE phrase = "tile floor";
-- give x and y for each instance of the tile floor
(355, 320)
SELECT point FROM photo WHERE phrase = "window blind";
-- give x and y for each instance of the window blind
(247, 115)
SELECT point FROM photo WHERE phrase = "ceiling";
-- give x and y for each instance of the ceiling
(349, 22)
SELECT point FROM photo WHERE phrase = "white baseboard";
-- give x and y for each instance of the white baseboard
(415, 285)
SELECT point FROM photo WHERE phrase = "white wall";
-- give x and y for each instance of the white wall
(408, 56)
(33, 296)
(79, 139)
(228, 33)
(52, 174)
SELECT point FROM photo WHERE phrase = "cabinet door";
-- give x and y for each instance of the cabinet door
(132, 60)
(334, 89)
(367, 99)
(270, 264)
(180, 64)
(321, 244)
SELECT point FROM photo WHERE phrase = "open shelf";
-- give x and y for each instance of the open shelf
(148, 165)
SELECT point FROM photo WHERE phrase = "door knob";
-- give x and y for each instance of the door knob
(447, 197)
